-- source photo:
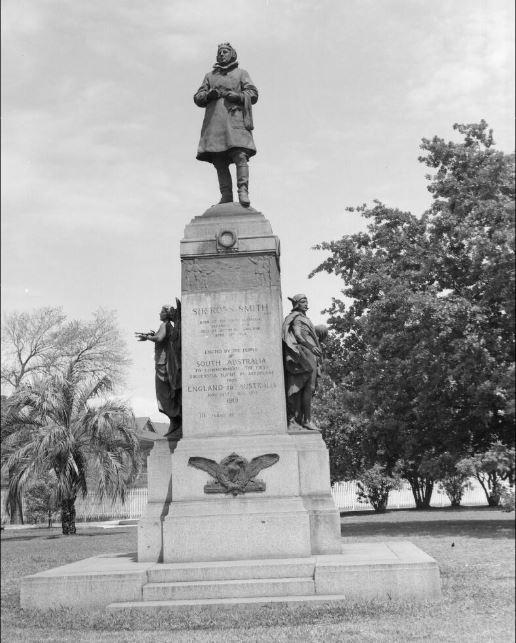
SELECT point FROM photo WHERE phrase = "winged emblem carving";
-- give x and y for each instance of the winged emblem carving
(234, 474)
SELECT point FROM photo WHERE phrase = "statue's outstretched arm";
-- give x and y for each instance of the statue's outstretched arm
(152, 336)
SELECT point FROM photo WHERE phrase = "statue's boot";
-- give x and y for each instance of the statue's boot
(293, 425)
(310, 426)
(243, 184)
(225, 183)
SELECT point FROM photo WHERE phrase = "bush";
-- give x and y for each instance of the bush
(491, 468)
(454, 487)
(507, 501)
(40, 502)
(374, 485)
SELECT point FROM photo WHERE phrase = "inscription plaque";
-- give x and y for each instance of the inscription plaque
(233, 374)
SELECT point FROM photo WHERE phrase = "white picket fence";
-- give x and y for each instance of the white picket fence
(88, 509)
(344, 496)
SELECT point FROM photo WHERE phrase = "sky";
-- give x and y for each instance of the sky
(100, 132)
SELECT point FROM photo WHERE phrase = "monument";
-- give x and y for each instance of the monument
(239, 505)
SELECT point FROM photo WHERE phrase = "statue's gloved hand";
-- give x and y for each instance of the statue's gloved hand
(213, 94)
(234, 97)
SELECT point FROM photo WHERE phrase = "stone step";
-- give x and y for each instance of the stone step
(228, 589)
(232, 570)
(217, 604)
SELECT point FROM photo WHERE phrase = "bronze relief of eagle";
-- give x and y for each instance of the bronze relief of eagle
(234, 474)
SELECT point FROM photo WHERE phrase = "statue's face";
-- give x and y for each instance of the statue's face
(224, 55)
(163, 315)
(302, 305)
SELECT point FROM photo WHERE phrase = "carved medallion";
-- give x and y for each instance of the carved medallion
(234, 474)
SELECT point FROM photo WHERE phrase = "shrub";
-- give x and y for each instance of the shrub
(490, 468)
(40, 501)
(374, 485)
(507, 500)
(454, 487)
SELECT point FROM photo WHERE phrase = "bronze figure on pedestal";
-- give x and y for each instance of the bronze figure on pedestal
(302, 353)
(227, 94)
(167, 357)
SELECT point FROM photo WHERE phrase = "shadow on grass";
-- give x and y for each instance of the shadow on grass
(472, 528)
(6, 538)
(484, 509)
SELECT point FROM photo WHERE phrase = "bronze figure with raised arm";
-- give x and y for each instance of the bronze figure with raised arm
(167, 357)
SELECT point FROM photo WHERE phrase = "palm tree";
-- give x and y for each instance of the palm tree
(63, 426)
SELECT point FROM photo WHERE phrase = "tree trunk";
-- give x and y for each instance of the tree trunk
(492, 488)
(380, 502)
(68, 516)
(16, 511)
(422, 491)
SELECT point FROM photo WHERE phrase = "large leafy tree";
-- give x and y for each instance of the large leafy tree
(63, 427)
(425, 329)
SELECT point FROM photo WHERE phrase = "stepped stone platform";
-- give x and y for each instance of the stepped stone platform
(363, 571)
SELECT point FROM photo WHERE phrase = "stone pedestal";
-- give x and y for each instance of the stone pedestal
(234, 403)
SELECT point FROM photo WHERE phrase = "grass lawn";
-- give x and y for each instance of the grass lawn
(473, 547)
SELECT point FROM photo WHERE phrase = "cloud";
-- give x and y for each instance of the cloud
(22, 17)
(464, 66)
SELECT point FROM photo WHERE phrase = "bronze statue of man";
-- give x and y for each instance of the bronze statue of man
(302, 355)
(227, 94)
(167, 357)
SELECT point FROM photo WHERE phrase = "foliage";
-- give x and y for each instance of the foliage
(453, 482)
(507, 500)
(41, 503)
(29, 344)
(491, 468)
(454, 486)
(341, 430)
(426, 340)
(64, 426)
(42, 342)
(374, 485)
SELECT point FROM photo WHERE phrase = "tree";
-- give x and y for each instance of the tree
(427, 340)
(64, 426)
(41, 343)
(490, 468)
(471, 233)
(95, 348)
(28, 348)
(342, 430)
(41, 501)
(374, 485)
(29, 344)
(452, 481)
